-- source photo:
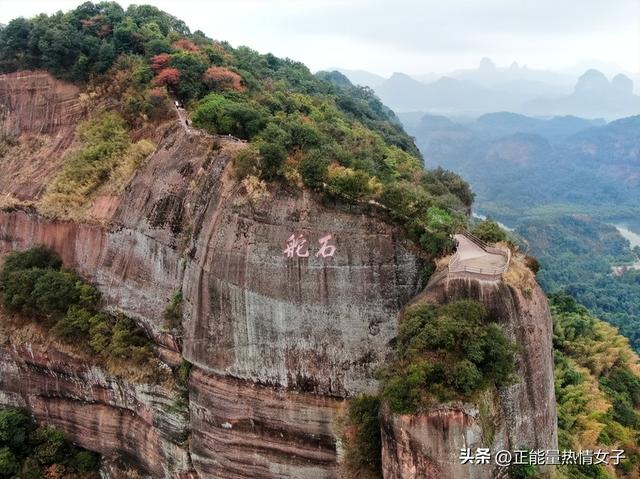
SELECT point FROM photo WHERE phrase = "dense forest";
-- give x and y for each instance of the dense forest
(304, 130)
(577, 253)
(597, 382)
(523, 168)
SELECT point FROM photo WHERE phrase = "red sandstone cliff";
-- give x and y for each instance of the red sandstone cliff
(522, 416)
(277, 342)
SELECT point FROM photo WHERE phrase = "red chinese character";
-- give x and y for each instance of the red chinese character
(296, 247)
(326, 250)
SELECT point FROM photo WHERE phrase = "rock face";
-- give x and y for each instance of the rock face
(241, 430)
(41, 113)
(135, 423)
(290, 306)
(522, 416)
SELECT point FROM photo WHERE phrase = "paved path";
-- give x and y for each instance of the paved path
(472, 258)
(182, 116)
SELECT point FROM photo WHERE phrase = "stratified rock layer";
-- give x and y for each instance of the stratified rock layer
(521, 416)
(278, 339)
(120, 419)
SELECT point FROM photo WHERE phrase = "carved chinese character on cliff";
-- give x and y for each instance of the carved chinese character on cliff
(326, 250)
(297, 247)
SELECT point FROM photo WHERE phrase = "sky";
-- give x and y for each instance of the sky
(412, 36)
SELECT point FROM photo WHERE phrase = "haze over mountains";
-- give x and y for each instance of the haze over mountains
(516, 88)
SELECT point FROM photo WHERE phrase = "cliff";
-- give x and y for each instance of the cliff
(279, 335)
(521, 416)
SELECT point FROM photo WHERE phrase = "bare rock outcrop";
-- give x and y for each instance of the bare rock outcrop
(40, 113)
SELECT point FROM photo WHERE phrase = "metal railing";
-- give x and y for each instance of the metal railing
(455, 265)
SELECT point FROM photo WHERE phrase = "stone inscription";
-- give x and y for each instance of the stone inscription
(297, 246)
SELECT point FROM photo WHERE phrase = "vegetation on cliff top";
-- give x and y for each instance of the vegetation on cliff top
(305, 129)
(29, 451)
(33, 282)
(447, 352)
(597, 383)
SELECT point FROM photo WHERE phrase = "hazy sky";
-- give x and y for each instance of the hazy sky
(412, 36)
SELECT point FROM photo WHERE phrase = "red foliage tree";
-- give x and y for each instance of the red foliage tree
(160, 62)
(220, 78)
(167, 77)
(187, 45)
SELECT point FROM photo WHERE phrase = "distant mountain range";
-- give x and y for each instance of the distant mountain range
(521, 166)
(519, 89)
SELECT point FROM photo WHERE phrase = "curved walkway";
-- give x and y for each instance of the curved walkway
(474, 256)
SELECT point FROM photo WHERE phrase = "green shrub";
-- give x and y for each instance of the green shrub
(62, 295)
(15, 428)
(272, 157)
(364, 442)
(523, 471)
(247, 163)
(85, 461)
(489, 231)
(55, 291)
(9, 464)
(52, 447)
(313, 169)
(173, 312)
(32, 281)
(37, 257)
(75, 325)
(25, 448)
(447, 351)
(221, 115)
(106, 155)
(347, 183)
(182, 373)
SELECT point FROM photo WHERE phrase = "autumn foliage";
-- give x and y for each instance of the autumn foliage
(167, 77)
(186, 45)
(160, 62)
(220, 78)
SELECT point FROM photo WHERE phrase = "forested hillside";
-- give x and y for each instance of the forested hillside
(597, 389)
(335, 138)
(577, 254)
(523, 167)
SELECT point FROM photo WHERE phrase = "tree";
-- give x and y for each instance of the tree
(220, 115)
(186, 45)
(169, 77)
(9, 464)
(160, 62)
(36, 257)
(273, 155)
(55, 291)
(52, 446)
(192, 67)
(489, 231)
(313, 169)
(15, 427)
(220, 79)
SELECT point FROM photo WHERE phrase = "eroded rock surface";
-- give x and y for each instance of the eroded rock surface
(277, 340)
(137, 423)
(40, 113)
(521, 416)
